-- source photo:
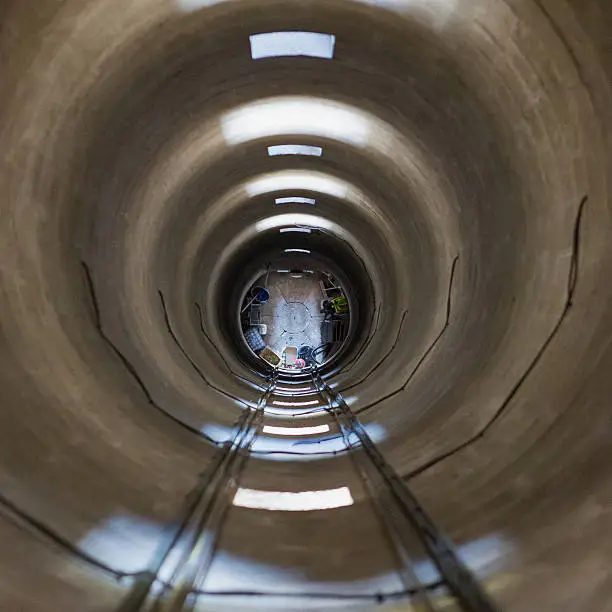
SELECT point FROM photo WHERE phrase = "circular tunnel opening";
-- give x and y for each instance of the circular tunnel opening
(297, 314)
(295, 300)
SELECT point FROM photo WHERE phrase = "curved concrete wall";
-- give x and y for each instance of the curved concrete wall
(471, 142)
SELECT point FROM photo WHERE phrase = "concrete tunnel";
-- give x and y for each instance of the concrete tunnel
(460, 174)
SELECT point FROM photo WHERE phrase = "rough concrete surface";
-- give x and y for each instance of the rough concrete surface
(467, 163)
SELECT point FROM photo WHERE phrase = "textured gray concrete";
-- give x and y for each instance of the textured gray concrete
(478, 128)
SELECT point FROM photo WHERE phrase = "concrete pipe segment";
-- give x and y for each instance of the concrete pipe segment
(461, 172)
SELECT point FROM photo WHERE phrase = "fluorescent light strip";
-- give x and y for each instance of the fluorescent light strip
(297, 251)
(303, 180)
(280, 116)
(303, 230)
(294, 389)
(309, 403)
(295, 431)
(292, 220)
(189, 6)
(295, 150)
(289, 44)
(293, 502)
(294, 200)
